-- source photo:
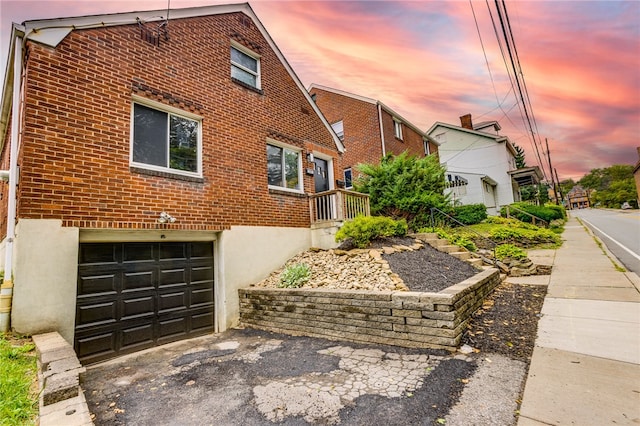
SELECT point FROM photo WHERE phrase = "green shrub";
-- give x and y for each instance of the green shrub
(363, 229)
(459, 240)
(295, 276)
(545, 213)
(470, 214)
(511, 251)
(404, 187)
(524, 236)
(561, 213)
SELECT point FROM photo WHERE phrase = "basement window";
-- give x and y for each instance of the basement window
(165, 139)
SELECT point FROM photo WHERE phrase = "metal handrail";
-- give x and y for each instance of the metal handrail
(533, 217)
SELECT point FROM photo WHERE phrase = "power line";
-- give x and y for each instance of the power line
(534, 148)
(520, 82)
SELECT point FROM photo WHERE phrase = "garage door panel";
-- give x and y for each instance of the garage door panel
(94, 315)
(173, 251)
(137, 336)
(96, 346)
(201, 297)
(138, 252)
(138, 281)
(202, 250)
(201, 274)
(132, 296)
(202, 322)
(172, 277)
(172, 327)
(170, 302)
(97, 285)
(137, 308)
(98, 254)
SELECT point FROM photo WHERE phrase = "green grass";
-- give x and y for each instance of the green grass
(18, 394)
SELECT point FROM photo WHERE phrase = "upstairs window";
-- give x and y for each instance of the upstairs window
(397, 129)
(284, 168)
(427, 150)
(338, 127)
(166, 139)
(245, 66)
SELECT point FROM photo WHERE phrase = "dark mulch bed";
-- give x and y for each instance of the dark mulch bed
(507, 323)
(426, 269)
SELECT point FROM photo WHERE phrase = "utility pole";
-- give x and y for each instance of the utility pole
(559, 187)
(553, 182)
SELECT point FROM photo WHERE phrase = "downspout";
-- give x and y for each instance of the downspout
(6, 289)
(384, 151)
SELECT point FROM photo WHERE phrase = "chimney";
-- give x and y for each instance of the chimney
(465, 122)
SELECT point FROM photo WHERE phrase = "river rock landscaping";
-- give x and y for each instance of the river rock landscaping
(390, 264)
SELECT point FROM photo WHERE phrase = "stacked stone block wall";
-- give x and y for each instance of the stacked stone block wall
(409, 319)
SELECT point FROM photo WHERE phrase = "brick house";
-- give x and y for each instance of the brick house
(162, 166)
(369, 129)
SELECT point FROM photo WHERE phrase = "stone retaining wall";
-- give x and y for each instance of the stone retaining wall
(400, 318)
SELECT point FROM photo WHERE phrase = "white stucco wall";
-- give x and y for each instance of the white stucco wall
(248, 254)
(45, 276)
(46, 267)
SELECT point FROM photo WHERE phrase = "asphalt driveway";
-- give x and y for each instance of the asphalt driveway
(250, 377)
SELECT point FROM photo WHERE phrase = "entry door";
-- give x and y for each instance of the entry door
(321, 175)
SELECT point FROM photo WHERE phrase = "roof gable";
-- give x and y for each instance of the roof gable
(52, 31)
(377, 103)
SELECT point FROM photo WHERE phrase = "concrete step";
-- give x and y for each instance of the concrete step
(448, 248)
(462, 255)
(478, 263)
(424, 236)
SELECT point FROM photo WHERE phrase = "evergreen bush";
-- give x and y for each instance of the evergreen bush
(363, 229)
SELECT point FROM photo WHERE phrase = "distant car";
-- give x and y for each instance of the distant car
(625, 206)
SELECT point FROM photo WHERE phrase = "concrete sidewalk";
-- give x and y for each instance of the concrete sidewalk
(585, 368)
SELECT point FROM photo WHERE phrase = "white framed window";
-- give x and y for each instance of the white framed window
(338, 127)
(284, 167)
(397, 128)
(245, 65)
(348, 178)
(165, 139)
(427, 150)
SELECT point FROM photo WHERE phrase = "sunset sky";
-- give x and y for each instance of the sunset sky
(424, 59)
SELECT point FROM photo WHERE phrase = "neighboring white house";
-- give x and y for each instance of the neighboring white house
(478, 161)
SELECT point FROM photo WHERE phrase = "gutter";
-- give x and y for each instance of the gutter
(6, 289)
(384, 151)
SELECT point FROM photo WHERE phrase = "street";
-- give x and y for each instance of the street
(618, 229)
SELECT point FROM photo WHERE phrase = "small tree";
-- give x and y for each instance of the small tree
(521, 162)
(404, 187)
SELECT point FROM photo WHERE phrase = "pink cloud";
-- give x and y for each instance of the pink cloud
(580, 60)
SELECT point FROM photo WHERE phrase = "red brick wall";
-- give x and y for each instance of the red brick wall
(411, 140)
(75, 155)
(361, 128)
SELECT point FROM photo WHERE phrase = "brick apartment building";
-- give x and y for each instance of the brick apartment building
(369, 129)
(162, 166)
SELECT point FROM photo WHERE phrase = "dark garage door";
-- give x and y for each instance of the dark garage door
(133, 296)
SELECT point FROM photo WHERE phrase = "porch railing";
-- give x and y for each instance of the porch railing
(338, 204)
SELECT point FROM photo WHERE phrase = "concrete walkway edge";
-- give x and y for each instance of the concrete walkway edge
(585, 368)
